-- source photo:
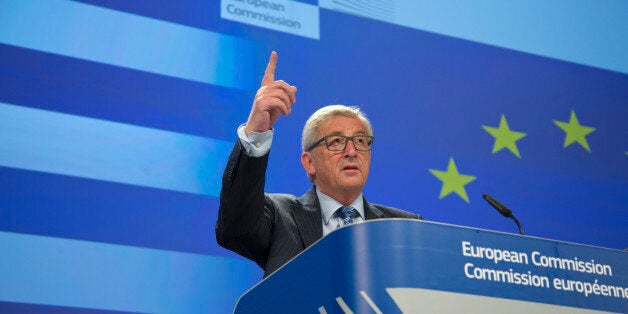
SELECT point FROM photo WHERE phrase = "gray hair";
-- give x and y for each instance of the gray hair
(313, 124)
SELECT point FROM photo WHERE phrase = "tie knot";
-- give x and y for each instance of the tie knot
(347, 214)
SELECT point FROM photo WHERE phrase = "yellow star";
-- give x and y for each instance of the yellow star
(504, 137)
(574, 132)
(453, 181)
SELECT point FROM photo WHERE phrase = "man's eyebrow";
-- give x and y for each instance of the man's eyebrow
(340, 133)
(335, 133)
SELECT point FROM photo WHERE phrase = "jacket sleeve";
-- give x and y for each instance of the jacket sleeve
(245, 219)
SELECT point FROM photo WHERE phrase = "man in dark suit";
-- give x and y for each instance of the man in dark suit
(271, 229)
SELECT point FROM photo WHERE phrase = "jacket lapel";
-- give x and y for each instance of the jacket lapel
(308, 218)
(370, 211)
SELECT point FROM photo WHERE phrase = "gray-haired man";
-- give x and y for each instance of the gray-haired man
(271, 229)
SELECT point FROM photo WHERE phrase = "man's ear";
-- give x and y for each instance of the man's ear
(308, 164)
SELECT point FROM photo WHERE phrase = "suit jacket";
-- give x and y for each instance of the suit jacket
(271, 229)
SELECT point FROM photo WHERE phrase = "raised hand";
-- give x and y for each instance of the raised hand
(272, 99)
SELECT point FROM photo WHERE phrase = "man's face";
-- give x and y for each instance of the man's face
(339, 174)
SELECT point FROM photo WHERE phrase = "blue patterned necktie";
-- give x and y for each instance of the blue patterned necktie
(347, 214)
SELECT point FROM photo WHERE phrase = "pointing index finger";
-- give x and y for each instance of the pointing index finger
(269, 75)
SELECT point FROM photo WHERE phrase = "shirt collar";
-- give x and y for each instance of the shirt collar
(330, 205)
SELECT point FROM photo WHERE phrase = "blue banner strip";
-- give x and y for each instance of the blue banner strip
(76, 208)
(122, 39)
(592, 33)
(42, 270)
(20, 308)
(59, 143)
(120, 94)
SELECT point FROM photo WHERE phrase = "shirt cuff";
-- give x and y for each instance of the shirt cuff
(256, 144)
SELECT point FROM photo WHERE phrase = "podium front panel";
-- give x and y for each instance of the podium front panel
(398, 265)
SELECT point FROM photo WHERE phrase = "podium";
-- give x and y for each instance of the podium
(411, 266)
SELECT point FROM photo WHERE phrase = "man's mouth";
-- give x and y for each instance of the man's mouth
(350, 167)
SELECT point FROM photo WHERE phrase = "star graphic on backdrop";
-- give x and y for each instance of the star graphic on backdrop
(505, 137)
(453, 181)
(574, 132)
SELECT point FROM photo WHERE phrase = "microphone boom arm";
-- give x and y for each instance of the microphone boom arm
(502, 209)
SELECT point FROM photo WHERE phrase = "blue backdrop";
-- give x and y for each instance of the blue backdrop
(117, 117)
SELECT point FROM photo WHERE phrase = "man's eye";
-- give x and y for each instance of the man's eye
(337, 140)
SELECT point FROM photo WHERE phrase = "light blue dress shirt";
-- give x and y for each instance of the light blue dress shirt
(329, 206)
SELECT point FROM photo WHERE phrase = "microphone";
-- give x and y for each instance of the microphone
(502, 209)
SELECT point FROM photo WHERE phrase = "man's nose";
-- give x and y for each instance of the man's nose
(350, 148)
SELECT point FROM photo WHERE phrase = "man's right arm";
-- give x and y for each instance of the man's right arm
(244, 223)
